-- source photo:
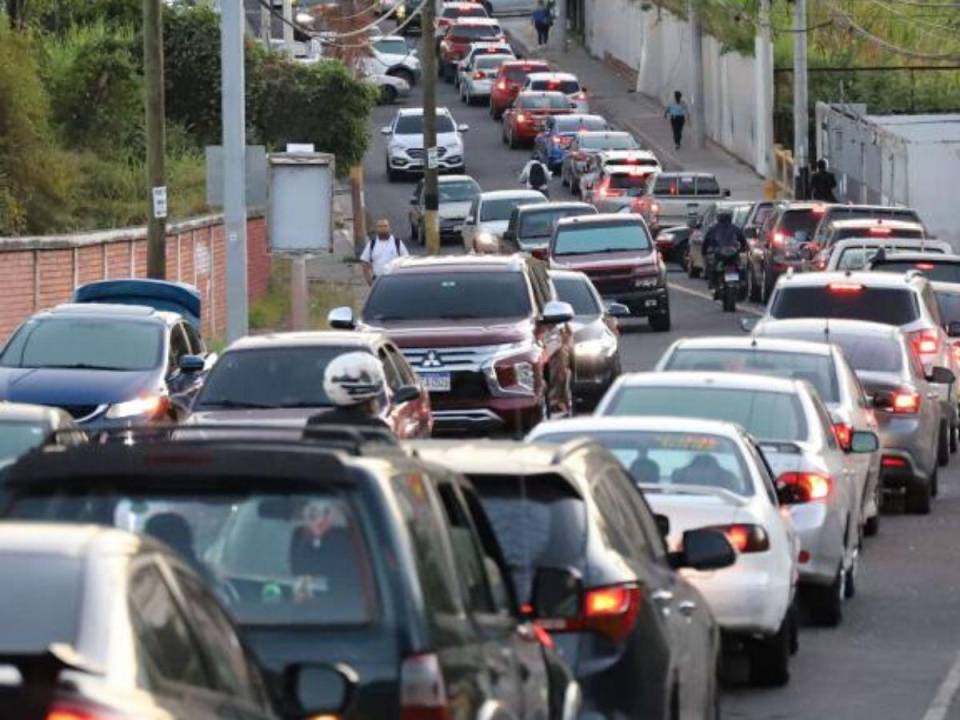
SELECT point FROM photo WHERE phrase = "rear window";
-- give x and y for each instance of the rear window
(608, 142)
(578, 293)
(799, 223)
(448, 296)
(543, 102)
(464, 11)
(574, 123)
(518, 73)
(497, 210)
(567, 87)
(540, 224)
(938, 272)
(949, 306)
(708, 186)
(675, 185)
(765, 415)
(489, 62)
(890, 306)
(633, 183)
(539, 521)
(467, 33)
(45, 601)
(870, 354)
(818, 370)
(887, 232)
(607, 238)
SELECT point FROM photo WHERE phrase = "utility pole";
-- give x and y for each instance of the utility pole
(698, 131)
(801, 133)
(287, 27)
(764, 53)
(560, 24)
(266, 26)
(234, 165)
(431, 192)
(156, 140)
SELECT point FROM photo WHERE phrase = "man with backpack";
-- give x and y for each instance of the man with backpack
(382, 249)
(536, 176)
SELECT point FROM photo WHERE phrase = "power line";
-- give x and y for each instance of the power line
(844, 18)
(324, 38)
(934, 27)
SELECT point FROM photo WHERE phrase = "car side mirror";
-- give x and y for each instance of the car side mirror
(341, 318)
(385, 130)
(192, 364)
(556, 312)
(406, 393)
(557, 593)
(463, 127)
(469, 220)
(618, 310)
(663, 525)
(320, 690)
(704, 550)
(953, 329)
(573, 103)
(748, 324)
(864, 441)
(726, 193)
(941, 375)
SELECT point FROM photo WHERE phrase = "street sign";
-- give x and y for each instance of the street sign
(433, 158)
(301, 148)
(160, 202)
(300, 215)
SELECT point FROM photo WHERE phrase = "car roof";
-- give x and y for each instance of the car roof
(601, 219)
(731, 342)
(804, 205)
(509, 194)
(318, 338)
(462, 263)
(23, 412)
(554, 205)
(603, 133)
(623, 154)
(946, 288)
(679, 173)
(490, 457)
(886, 241)
(66, 539)
(106, 310)
(531, 62)
(843, 207)
(733, 381)
(444, 179)
(867, 278)
(551, 75)
(419, 111)
(874, 222)
(595, 423)
(842, 327)
(932, 258)
(541, 93)
(461, 21)
(569, 275)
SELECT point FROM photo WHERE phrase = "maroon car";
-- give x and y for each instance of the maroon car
(485, 333)
(524, 120)
(460, 35)
(617, 254)
(277, 379)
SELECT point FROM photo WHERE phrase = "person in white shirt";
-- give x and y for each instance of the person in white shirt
(536, 176)
(382, 249)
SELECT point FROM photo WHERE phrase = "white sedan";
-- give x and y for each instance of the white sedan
(709, 474)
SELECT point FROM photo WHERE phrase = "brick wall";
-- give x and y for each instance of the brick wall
(39, 272)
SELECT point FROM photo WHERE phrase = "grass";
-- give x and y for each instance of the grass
(272, 311)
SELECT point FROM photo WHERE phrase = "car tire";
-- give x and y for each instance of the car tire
(872, 525)
(755, 293)
(954, 445)
(404, 74)
(767, 286)
(692, 270)
(919, 498)
(392, 175)
(421, 235)
(826, 603)
(660, 322)
(943, 445)
(769, 657)
(512, 143)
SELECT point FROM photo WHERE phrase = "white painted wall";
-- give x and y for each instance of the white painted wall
(657, 44)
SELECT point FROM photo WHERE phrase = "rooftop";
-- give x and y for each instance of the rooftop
(939, 128)
(320, 338)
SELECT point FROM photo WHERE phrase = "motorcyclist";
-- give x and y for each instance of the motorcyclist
(724, 234)
(536, 176)
(354, 384)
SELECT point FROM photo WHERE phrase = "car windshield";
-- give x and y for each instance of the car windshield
(605, 238)
(501, 209)
(800, 223)
(579, 294)
(931, 269)
(552, 101)
(489, 62)
(460, 191)
(16, 437)
(539, 224)
(567, 87)
(538, 520)
(45, 600)
(448, 296)
(608, 141)
(851, 301)
(269, 378)
(85, 343)
(413, 125)
(466, 33)
(670, 459)
(817, 369)
(393, 46)
(764, 414)
(574, 123)
(291, 558)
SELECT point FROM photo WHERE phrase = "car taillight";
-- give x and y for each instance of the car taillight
(744, 537)
(906, 403)
(479, 75)
(610, 611)
(924, 266)
(423, 695)
(956, 351)
(844, 288)
(889, 461)
(72, 711)
(501, 85)
(805, 486)
(654, 207)
(925, 343)
(779, 239)
(844, 434)
(521, 118)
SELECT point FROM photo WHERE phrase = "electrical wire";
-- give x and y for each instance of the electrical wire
(743, 12)
(324, 38)
(850, 23)
(935, 28)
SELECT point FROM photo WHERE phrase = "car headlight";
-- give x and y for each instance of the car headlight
(486, 242)
(146, 406)
(515, 374)
(600, 347)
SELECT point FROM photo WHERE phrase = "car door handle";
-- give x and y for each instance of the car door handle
(687, 607)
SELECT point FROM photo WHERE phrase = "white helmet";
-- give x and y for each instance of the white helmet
(353, 378)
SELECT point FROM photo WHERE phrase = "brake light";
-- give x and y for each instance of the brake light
(924, 266)
(779, 239)
(805, 486)
(844, 435)
(654, 207)
(889, 461)
(905, 403)
(818, 209)
(501, 85)
(744, 537)
(880, 230)
(924, 343)
(479, 75)
(844, 288)
(611, 611)
(521, 118)
(61, 711)
(423, 695)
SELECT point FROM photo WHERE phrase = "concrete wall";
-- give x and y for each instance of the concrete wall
(39, 272)
(656, 44)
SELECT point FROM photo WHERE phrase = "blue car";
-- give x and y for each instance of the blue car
(550, 146)
(125, 352)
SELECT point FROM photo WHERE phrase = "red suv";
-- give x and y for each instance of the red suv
(523, 121)
(510, 78)
(453, 10)
(460, 36)
(486, 334)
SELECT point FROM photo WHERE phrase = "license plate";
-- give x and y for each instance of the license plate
(731, 276)
(436, 382)
(649, 303)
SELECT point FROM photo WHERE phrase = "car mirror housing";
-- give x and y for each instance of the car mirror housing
(319, 690)
(704, 550)
(192, 363)
(406, 393)
(557, 593)
(864, 441)
(385, 130)
(941, 375)
(556, 312)
(463, 127)
(618, 310)
(341, 318)
(726, 193)
(748, 324)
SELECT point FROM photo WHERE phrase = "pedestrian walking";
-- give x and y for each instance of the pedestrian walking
(382, 249)
(677, 112)
(822, 183)
(541, 22)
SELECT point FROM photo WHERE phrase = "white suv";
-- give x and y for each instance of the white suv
(405, 150)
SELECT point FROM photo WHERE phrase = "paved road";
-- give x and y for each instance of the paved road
(895, 657)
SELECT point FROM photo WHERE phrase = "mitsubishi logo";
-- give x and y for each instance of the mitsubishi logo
(432, 360)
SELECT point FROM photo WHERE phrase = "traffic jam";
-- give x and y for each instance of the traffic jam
(460, 501)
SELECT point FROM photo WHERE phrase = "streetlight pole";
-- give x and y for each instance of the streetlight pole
(801, 132)
(155, 139)
(699, 130)
(431, 192)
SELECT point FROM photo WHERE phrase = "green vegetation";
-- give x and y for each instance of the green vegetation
(272, 311)
(71, 111)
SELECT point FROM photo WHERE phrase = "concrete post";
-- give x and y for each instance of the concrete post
(801, 154)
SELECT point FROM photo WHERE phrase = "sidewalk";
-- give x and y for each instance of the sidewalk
(613, 97)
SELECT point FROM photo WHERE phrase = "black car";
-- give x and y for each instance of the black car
(326, 549)
(784, 241)
(589, 559)
(530, 226)
(111, 624)
(834, 213)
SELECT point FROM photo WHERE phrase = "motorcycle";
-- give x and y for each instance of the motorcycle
(729, 280)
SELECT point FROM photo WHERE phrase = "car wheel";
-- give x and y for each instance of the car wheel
(943, 445)
(421, 235)
(755, 293)
(826, 603)
(918, 498)
(850, 581)
(513, 141)
(770, 657)
(954, 445)
(767, 286)
(660, 322)
(872, 525)
(403, 74)
(392, 175)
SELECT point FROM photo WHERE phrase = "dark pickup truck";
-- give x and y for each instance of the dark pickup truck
(486, 334)
(616, 253)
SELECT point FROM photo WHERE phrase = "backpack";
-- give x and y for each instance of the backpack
(536, 176)
(373, 239)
